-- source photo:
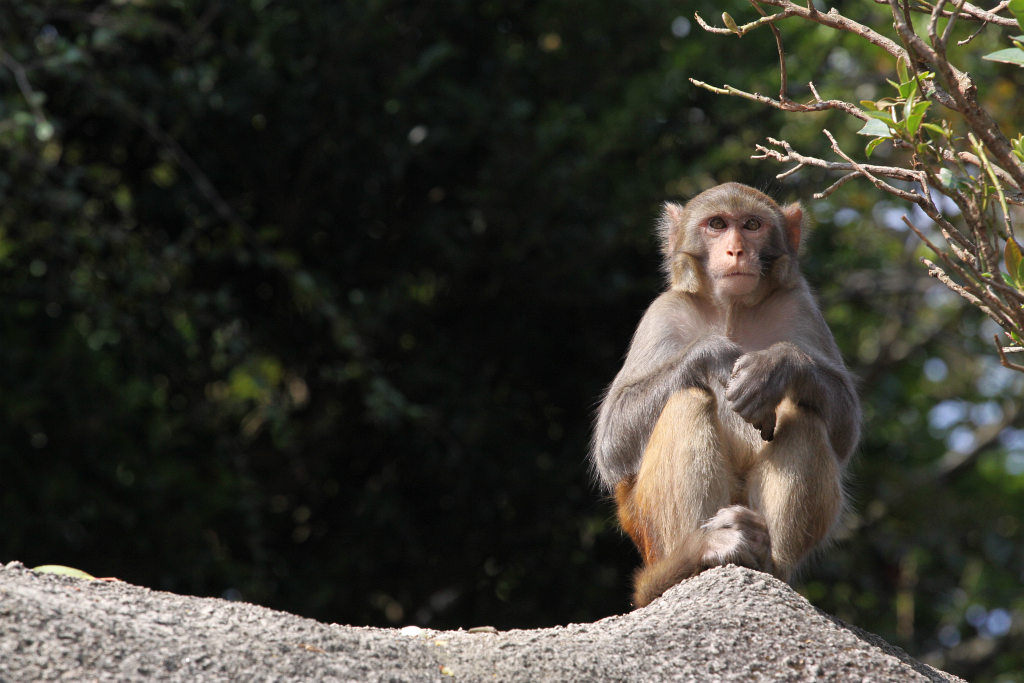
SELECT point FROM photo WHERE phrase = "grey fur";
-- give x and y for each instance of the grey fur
(761, 349)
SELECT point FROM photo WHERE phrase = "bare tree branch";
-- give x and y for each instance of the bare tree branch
(979, 172)
(963, 91)
(745, 28)
(21, 78)
(973, 13)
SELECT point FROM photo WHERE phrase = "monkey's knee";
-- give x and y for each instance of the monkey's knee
(689, 417)
(686, 403)
(801, 424)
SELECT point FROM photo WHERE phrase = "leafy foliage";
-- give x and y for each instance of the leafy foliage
(962, 176)
(965, 162)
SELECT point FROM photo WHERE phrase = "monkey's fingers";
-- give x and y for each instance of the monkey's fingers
(747, 403)
(768, 427)
(738, 393)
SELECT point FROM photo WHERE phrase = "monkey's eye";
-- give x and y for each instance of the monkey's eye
(717, 223)
(752, 224)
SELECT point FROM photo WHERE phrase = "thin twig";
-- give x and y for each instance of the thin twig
(975, 13)
(877, 182)
(745, 28)
(977, 32)
(944, 41)
(942, 277)
(836, 185)
(21, 78)
(1006, 363)
(791, 155)
(787, 105)
(834, 20)
(964, 93)
(783, 76)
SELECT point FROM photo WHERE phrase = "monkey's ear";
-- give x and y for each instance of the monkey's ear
(669, 226)
(784, 272)
(793, 215)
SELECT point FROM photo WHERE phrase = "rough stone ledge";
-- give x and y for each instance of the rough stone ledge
(728, 623)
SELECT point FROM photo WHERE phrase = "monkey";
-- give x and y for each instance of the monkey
(725, 435)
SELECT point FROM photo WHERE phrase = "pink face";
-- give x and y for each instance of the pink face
(734, 242)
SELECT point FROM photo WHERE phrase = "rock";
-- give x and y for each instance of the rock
(728, 623)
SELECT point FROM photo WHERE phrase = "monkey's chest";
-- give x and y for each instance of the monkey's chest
(756, 333)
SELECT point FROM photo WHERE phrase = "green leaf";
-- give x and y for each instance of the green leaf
(730, 23)
(907, 90)
(883, 116)
(876, 129)
(935, 129)
(870, 105)
(915, 116)
(1012, 257)
(1020, 271)
(63, 571)
(1010, 55)
(1015, 262)
(1018, 146)
(1017, 10)
(871, 146)
(901, 69)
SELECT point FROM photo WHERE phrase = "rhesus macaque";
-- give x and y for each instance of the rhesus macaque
(725, 434)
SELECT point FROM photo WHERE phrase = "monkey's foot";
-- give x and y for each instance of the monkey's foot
(737, 535)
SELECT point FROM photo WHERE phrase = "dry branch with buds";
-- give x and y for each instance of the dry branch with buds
(970, 160)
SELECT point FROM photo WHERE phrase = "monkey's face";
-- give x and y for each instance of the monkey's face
(735, 245)
(730, 242)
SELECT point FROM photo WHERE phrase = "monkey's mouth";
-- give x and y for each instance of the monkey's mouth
(739, 273)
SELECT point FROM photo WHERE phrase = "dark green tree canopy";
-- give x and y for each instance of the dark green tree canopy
(310, 303)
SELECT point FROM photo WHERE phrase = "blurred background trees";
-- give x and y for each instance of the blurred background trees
(310, 304)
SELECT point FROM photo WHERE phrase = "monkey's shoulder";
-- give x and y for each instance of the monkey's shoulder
(674, 311)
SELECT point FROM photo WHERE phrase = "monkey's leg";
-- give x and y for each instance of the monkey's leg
(796, 485)
(684, 479)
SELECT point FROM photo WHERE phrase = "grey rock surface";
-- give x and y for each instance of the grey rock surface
(728, 623)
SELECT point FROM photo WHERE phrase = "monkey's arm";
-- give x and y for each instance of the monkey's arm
(664, 357)
(809, 371)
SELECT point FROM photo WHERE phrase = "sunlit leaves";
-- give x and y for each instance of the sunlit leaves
(876, 127)
(897, 117)
(1014, 262)
(1010, 55)
(730, 23)
(1016, 8)
(61, 570)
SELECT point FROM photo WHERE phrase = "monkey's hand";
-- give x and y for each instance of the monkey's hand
(709, 358)
(759, 382)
